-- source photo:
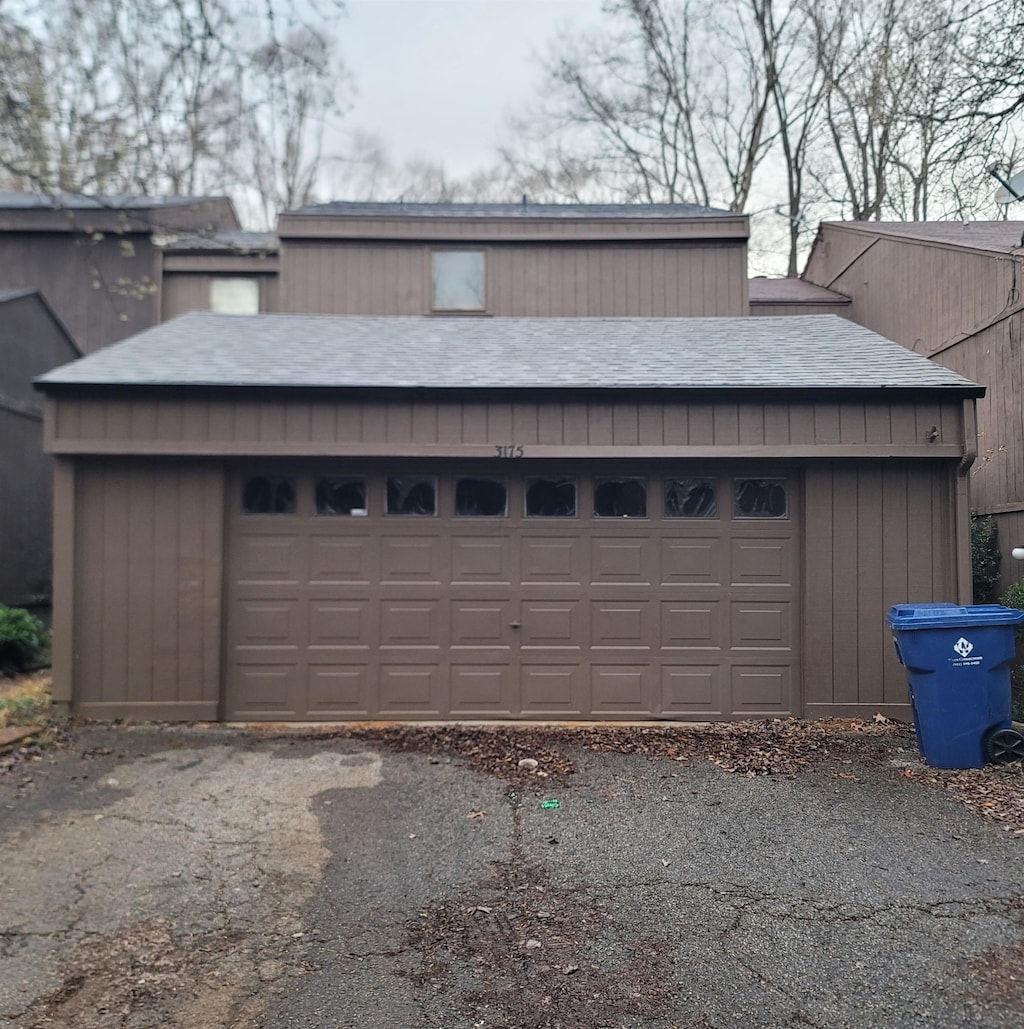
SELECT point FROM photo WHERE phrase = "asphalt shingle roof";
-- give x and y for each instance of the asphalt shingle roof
(351, 209)
(790, 291)
(806, 351)
(10, 200)
(235, 241)
(1001, 237)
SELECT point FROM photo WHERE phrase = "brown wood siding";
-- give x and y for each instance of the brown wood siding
(147, 588)
(700, 279)
(876, 534)
(492, 229)
(101, 289)
(561, 429)
(190, 291)
(919, 294)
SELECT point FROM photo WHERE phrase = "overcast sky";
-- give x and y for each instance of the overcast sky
(436, 78)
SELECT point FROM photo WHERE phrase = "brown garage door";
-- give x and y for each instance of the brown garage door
(511, 591)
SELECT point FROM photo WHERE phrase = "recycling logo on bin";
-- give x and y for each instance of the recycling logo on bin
(964, 648)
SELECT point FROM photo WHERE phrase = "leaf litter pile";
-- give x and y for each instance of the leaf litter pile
(787, 746)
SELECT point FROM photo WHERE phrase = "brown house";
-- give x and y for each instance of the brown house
(514, 260)
(32, 341)
(292, 517)
(96, 259)
(770, 297)
(952, 292)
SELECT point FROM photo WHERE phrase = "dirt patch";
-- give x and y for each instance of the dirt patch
(520, 951)
(997, 973)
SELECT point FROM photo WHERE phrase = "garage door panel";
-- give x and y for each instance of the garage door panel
(762, 562)
(267, 689)
(413, 559)
(615, 561)
(483, 560)
(411, 690)
(551, 623)
(553, 559)
(482, 690)
(269, 623)
(694, 560)
(761, 626)
(618, 624)
(693, 624)
(340, 691)
(761, 690)
(274, 558)
(342, 560)
(482, 623)
(410, 623)
(694, 689)
(621, 691)
(343, 623)
(552, 689)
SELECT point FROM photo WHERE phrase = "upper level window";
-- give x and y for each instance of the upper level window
(235, 296)
(458, 280)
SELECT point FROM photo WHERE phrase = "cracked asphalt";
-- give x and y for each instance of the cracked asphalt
(189, 877)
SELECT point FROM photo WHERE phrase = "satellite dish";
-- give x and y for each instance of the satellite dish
(1009, 189)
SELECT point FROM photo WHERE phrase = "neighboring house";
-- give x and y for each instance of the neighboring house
(951, 291)
(96, 259)
(292, 517)
(32, 341)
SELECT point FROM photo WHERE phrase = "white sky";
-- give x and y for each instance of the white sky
(436, 78)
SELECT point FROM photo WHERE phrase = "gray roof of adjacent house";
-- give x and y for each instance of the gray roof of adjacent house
(350, 209)
(223, 241)
(763, 290)
(1001, 237)
(10, 200)
(794, 352)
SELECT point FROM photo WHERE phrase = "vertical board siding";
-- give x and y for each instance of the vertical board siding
(877, 534)
(523, 280)
(260, 424)
(147, 582)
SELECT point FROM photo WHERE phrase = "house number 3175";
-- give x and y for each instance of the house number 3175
(508, 449)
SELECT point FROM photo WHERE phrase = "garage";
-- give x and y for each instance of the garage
(576, 591)
(284, 517)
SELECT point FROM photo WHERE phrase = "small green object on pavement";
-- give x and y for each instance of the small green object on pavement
(549, 803)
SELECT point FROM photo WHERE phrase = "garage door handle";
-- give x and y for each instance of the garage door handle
(515, 625)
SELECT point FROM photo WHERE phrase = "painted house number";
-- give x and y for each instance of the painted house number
(508, 449)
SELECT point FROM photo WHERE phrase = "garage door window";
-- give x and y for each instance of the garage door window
(550, 498)
(412, 495)
(268, 494)
(620, 498)
(760, 498)
(690, 498)
(481, 497)
(340, 495)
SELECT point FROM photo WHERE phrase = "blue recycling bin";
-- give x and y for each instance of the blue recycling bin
(957, 661)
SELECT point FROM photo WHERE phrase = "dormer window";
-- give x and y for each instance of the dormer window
(458, 280)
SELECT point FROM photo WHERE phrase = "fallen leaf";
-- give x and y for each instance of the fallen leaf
(477, 814)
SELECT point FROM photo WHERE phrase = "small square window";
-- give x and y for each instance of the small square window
(340, 495)
(481, 497)
(268, 494)
(550, 498)
(690, 498)
(412, 495)
(760, 498)
(458, 280)
(620, 498)
(235, 296)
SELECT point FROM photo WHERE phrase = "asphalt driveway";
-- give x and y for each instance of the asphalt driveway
(210, 877)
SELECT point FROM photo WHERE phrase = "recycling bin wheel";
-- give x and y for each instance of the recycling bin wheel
(1006, 745)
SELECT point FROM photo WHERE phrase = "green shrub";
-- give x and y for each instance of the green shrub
(1014, 597)
(984, 558)
(22, 639)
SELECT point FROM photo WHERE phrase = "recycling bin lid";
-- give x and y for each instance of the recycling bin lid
(949, 616)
